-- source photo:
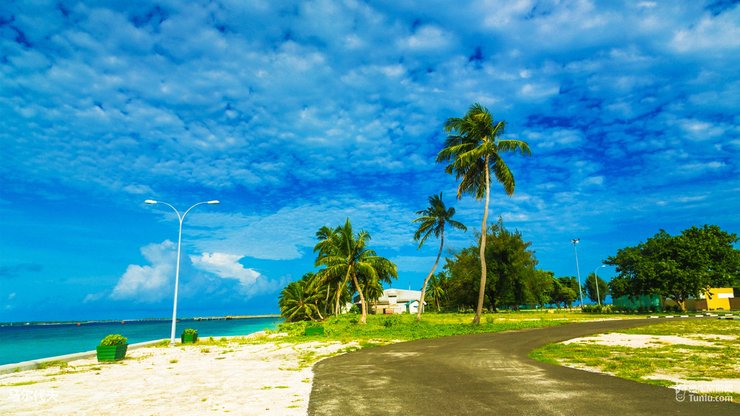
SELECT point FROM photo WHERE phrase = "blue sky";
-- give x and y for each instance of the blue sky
(298, 115)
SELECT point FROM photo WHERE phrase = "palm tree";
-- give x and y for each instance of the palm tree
(336, 283)
(346, 254)
(436, 288)
(473, 152)
(432, 222)
(297, 302)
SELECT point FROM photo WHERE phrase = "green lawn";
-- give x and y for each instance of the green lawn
(720, 360)
(389, 328)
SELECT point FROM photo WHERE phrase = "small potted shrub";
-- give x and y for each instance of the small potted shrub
(112, 348)
(189, 336)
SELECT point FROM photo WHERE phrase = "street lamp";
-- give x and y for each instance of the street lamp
(578, 272)
(177, 267)
(596, 280)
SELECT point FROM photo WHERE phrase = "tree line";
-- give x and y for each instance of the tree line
(677, 267)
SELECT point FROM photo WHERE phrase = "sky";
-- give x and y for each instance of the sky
(297, 115)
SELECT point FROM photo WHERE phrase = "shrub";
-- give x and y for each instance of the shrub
(114, 339)
(190, 331)
(391, 320)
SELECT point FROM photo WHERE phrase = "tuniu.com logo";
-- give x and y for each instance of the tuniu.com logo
(686, 396)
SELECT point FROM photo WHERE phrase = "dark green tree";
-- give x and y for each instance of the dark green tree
(510, 264)
(679, 267)
(564, 291)
(589, 288)
(473, 152)
(539, 286)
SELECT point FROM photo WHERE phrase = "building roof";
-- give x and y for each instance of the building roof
(402, 296)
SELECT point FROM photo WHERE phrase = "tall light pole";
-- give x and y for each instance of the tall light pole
(177, 267)
(578, 271)
(596, 280)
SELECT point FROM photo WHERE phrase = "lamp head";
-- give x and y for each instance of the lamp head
(575, 240)
(150, 201)
(214, 202)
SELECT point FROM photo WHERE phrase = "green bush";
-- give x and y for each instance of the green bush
(113, 339)
(599, 309)
(391, 320)
(190, 331)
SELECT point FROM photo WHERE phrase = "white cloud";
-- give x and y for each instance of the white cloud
(228, 266)
(150, 283)
(288, 233)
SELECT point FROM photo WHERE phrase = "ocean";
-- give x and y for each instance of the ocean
(23, 342)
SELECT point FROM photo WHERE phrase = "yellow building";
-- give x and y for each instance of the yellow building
(718, 298)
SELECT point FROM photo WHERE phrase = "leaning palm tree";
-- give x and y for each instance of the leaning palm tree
(473, 151)
(432, 222)
(349, 256)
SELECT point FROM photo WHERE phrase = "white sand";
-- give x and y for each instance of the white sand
(718, 385)
(637, 340)
(260, 379)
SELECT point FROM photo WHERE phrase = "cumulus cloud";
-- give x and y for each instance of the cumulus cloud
(306, 114)
(228, 266)
(149, 283)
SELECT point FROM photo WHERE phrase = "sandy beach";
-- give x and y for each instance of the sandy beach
(272, 378)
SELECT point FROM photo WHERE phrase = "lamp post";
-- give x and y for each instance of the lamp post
(578, 271)
(596, 280)
(177, 267)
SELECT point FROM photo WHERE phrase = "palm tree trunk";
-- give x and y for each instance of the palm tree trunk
(424, 288)
(482, 290)
(363, 318)
(340, 286)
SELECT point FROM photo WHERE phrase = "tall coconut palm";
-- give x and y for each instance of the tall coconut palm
(473, 152)
(349, 256)
(432, 222)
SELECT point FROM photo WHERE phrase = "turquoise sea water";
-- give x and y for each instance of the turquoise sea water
(23, 342)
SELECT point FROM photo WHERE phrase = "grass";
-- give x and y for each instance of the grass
(720, 360)
(382, 329)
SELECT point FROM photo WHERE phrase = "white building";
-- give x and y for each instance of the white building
(397, 301)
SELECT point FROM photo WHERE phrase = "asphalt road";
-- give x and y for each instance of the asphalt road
(488, 374)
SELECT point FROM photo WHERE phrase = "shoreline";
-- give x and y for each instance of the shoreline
(109, 321)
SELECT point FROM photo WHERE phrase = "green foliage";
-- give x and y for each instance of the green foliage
(590, 288)
(436, 290)
(189, 331)
(512, 278)
(598, 309)
(565, 291)
(299, 300)
(113, 339)
(475, 148)
(539, 286)
(381, 329)
(433, 220)
(678, 267)
(346, 257)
